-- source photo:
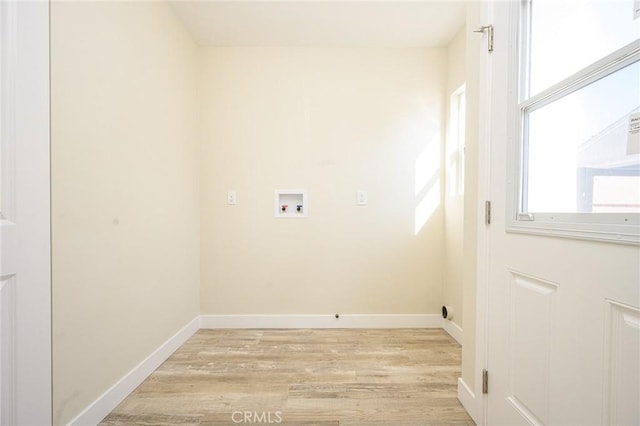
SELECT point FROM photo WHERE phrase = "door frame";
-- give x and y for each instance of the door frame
(483, 194)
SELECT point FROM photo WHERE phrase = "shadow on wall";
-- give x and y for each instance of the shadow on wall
(427, 183)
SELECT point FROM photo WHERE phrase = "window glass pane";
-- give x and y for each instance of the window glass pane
(462, 107)
(575, 140)
(455, 142)
(568, 35)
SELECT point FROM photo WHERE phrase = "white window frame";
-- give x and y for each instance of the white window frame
(457, 136)
(611, 227)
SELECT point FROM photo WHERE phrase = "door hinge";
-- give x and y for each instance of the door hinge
(489, 30)
(487, 212)
(485, 381)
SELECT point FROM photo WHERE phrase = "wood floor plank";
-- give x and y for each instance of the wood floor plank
(336, 377)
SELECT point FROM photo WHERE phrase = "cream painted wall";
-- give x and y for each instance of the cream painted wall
(331, 121)
(125, 191)
(454, 202)
(474, 45)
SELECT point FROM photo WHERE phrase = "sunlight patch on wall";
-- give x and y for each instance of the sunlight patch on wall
(427, 183)
(427, 165)
(427, 206)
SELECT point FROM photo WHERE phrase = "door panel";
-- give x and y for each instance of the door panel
(563, 341)
(7, 343)
(622, 361)
(25, 284)
(532, 308)
(8, 227)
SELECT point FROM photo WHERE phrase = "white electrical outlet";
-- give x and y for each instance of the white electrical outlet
(361, 198)
(231, 198)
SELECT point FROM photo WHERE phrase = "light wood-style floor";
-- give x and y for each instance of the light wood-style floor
(303, 377)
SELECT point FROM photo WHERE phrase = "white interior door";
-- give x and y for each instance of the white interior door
(563, 344)
(25, 284)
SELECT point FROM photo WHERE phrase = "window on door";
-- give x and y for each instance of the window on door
(578, 109)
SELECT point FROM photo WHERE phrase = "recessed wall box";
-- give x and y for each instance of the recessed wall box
(290, 203)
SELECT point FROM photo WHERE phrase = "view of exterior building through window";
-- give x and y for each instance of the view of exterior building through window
(580, 107)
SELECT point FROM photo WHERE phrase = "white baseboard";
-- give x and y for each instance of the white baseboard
(101, 407)
(468, 400)
(453, 329)
(321, 321)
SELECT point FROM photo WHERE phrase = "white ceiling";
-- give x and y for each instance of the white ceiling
(323, 23)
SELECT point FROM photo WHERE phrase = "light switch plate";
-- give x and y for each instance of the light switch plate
(361, 198)
(231, 198)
